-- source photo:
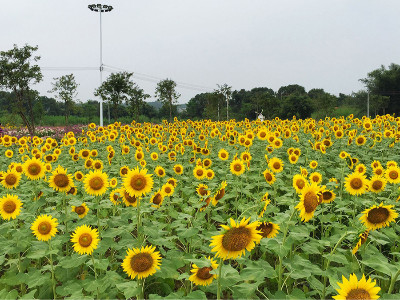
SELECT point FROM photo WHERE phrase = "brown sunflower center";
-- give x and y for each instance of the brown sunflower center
(237, 167)
(378, 171)
(393, 174)
(327, 195)
(236, 239)
(129, 198)
(138, 182)
(85, 240)
(85, 153)
(276, 165)
(71, 191)
(139, 156)
(160, 172)
(61, 180)
(157, 199)
(9, 206)
(18, 169)
(167, 189)
(96, 183)
(378, 215)
(360, 140)
(356, 183)
(220, 194)
(97, 165)
(80, 210)
(79, 176)
(223, 154)
(199, 172)
(44, 227)
(377, 185)
(141, 262)
(310, 202)
(315, 178)
(204, 273)
(34, 169)
(124, 171)
(265, 229)
(10, 179)
(268, 177)
(178, 169)
(202, 191)
(358, 294)
(115, 197)
(300, 183)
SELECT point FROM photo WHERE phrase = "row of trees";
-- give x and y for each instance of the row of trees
(19, 71)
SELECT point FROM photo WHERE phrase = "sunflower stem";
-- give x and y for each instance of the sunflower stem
(139, 221)
(53, 280)
(65, 220)
(221, 262)
(95, 276)
(140, 295)
(393, 281)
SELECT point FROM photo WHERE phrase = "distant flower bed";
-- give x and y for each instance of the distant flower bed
(56, 132)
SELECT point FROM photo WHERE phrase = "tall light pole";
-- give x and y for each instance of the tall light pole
(100, 8)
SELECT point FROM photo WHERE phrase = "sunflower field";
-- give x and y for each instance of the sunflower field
(280, 209)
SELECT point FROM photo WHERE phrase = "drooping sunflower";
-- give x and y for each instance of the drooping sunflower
(354, 289)
(237, 167)
(378, 216)
(10, 206)
(356, 184)
(128, 199)
(138, 182)
(220, 193)
(116, 195)
(202, 276)
(276, 165)
(299, 183)
(81, 210)
(157, 199)
(141, 262)
(266, 203)
(96, 183)
(34, 168)
(85, 239)
(392, 174)
(60, 180)
(309, 201)
(11, 179)
(44, 227)
(268, 229)
(362, 239)
(377, 184)
(236, 239)
(178, 169)
(269, 176)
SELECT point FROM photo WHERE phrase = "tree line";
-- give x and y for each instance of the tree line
(125, 100)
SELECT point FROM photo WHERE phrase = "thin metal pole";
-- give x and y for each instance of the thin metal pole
(101, 71)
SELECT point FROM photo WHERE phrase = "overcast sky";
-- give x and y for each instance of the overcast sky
(246, 44)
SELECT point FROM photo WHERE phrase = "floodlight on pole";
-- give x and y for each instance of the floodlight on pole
(101, 8)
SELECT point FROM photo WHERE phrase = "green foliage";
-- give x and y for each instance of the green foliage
(167, 94)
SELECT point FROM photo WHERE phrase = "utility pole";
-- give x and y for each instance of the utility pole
(101, 8)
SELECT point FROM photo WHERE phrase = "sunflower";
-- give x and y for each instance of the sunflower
(34, 169)
(378, 171)
(97, 164)
(141, 262)
(378, 216)
(167, 189)
(123, 171)
(236, 239)
(96, 183)
(44, 227)
(377, 184)
(268, 229)
(223, 154)
(9, 153)
(269, 176)
(327, 196)
(178, 169)
(276, 165)
(157, 199)
(316, 177)
(309, 201)
(81, 210)
(210, 174)
(199, 172)
(202, 276)
(202, 190)
(113, 182)
(363, 238)
(72, 191)
(266, 203)
(78, 175)
(60, 181)
(299, 183)
(354, 289)
(138, 182)
(128, 199)
(392, 174)
(237, 167)
(10, 207)
(220, 193)
(360, 140)
(85, 239)
(356, 184)
(159, 171)
(293, 158)
(154, 156)
(11, 179)
(116, 195)
(313, 164)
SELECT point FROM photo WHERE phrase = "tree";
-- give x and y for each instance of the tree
(115, 89)
(65, 88)
(166, 94)
(296, 105)
(136, 100)
(385, 82)
(225, 94)
(17, 74)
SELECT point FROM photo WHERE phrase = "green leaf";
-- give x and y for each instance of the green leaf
(196, 295)
(129, 288)
(73, 261)
(257, 271)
